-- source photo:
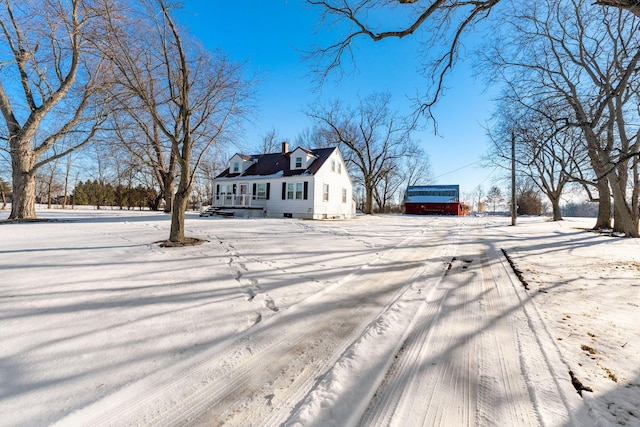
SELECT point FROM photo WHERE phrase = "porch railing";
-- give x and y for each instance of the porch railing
(238, 201)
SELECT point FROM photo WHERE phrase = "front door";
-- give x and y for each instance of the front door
(244, 190)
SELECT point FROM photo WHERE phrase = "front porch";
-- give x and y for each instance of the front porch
(238, 201)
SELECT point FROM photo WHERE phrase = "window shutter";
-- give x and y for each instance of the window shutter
(284, 190)
(306, 190)
(268, 189)
(234, 188)
(217, 188)
(254, 190)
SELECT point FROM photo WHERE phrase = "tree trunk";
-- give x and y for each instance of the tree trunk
(180, 201)
(49, 190)
(624, 221)
(23, 205)
(66, 184)
(167, 191)
(604, 206)
(555, 206)
(368, 209)
(177, 217)
(617, 220)
(602, 183)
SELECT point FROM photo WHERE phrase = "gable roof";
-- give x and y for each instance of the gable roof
(278, 164)
(310, 152)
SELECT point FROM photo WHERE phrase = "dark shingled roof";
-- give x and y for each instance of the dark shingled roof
(272, 164)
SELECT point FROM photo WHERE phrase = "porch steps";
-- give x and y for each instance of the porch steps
(217, 211)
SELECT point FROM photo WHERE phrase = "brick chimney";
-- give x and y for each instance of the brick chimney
(285, 147)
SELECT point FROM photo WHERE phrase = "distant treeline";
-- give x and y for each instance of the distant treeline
(101, 194)
(584, 209)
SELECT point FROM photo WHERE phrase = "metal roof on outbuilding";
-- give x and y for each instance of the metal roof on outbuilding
(432, 194)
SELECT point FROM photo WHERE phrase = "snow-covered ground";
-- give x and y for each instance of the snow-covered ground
(587, 287)
(384, 320)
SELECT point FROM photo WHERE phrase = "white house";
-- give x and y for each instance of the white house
(302, 183)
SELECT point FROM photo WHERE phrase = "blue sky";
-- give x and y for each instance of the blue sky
(270, 38)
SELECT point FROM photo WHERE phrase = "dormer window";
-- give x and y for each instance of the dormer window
(300, 159)
(239, 163)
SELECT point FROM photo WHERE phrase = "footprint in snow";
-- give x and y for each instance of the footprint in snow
(270, 304)
(257, 318)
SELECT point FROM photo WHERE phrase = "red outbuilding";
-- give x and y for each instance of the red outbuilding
(434, 200)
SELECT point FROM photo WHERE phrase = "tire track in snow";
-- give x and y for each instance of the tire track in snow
(440, 390)
(460, 366)
(272, 404)
(543, 367)
(262, 374)
(342, 395)
(503, 397)
(467, 361)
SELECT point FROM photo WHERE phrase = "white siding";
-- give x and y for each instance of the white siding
(334, 208)
(277, 207)
(313, 207)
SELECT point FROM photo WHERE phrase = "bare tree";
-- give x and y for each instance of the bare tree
(48, 86)
(632, 6)
(214, 163)
(585, 61)
(446, 21)
(438, 24)
(4, 188)
(270, 142)
(375, 138)
(193, 97)
(387, 188)
(51, 185)
(549, 152)
(416, 168)
(311, 138)
(529, 201)
(478, 195)
(413, 169)
(135, 130)
(67, 174)
(494, 197)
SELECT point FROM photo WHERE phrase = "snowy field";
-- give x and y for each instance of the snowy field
(383, 320)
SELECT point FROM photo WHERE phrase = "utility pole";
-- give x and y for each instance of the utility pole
(514, 211)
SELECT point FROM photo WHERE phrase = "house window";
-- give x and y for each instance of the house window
(325, 192)
(298, 162)
(236, 167)
(295, 191)
(339, 167)
(261, 191)
(344, 195)
(299, 191)
(226, 189)
(333, 165)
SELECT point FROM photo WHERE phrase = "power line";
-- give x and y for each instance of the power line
(460, 168)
